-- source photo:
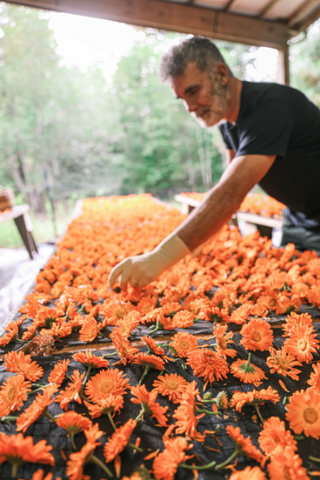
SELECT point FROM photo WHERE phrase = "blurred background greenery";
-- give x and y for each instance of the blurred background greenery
(68, 133)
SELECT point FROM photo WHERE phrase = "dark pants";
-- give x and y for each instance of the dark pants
(303, 238)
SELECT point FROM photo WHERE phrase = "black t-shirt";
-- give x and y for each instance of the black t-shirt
(279, 120)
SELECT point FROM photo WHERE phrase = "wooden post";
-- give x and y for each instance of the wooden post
(283, 66)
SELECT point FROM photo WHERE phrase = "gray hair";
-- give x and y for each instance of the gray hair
(196, 49)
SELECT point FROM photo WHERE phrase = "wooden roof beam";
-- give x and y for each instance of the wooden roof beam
(177, 17)
(230, 5)
(268, 8)
(301, 12)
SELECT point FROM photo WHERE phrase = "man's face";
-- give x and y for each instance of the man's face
(203, 95)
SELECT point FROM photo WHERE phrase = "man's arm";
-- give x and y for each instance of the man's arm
(207, 219)
(230, 154)
(223, 199)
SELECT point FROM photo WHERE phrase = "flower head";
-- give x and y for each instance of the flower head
(285, 463)
(208, 364)
(302, 343)
(14, 392)
(185, 413)
(12, 334)
(18, 362)
(172, 385)
(72, 391)
(166, 463)
(150, 361)
(256, 335)
(73, 422)
(247, 372)
(148, 402)
(314, 379)
(119, 440)
(89, 360)
(36, 409)
(89, 329)
(59, 371)
(255, 397)
(106, 382)
(249, 473)
(153, 347)
(107, 406)
(273, 434)
(283, 362)
(304, 412)
(123, 346)
(184, 343)
(244, 445)
(222, 339)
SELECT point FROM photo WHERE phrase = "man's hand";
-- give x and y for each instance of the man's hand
(143, 269)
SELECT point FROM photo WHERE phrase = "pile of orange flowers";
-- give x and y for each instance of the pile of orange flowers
(234, 284)
(254, 203)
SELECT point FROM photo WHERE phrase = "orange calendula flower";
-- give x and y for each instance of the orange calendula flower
(294, 320)
(119, 440)
(77, 461)
(37, 409)
(89, 360)
(302, 343)
(241, 314)
(256, 335)
(73, 423)
(18, 450)
(13, 330)
(273, 434)
(184, 343)
(304, 412)
(107, 406)
(222, 339)
(18, 362)
(149, 405)
(286, 305)
(249, 473)
(89, 329)
(283, 362)
(153, 347)
(166, 463)
(39, 475)
(172, 385)
(104, 383)
(314, 379)
(217, 315)
(59, 372)
(255, 397)
(72, 391)
(185, 413)
(246, 371)
(208, 364)
(244, 445)
(183, 319)
(123, 346)
(285, 464)
(150, 361)
(14, 392)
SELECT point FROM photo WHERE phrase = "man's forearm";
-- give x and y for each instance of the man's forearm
(223, 199)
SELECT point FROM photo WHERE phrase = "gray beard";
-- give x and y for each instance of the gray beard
(221, 96)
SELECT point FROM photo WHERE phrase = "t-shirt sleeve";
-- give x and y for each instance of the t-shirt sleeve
(266, 131)
(225, 137)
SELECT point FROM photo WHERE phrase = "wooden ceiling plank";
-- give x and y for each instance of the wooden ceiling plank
(302, 26)
(230, 5)
(300, 13)
(268, 8)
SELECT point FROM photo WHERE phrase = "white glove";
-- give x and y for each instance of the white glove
(143, 269)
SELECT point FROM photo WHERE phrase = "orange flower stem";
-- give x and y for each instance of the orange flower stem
(111, 421)
(86, 377)
(110, 354)
(104, 467)
(199, 467)
(256, 406)
(196, 319)
(83, 397)
(229, 460)
(155, 328)
(146, 370)
(140, 415)
(315, 459)
(138, 449)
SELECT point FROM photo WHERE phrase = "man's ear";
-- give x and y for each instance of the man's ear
(223, 73)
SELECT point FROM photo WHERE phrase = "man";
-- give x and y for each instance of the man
(272, 133)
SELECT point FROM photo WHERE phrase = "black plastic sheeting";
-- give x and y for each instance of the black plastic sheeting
(151, 436)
